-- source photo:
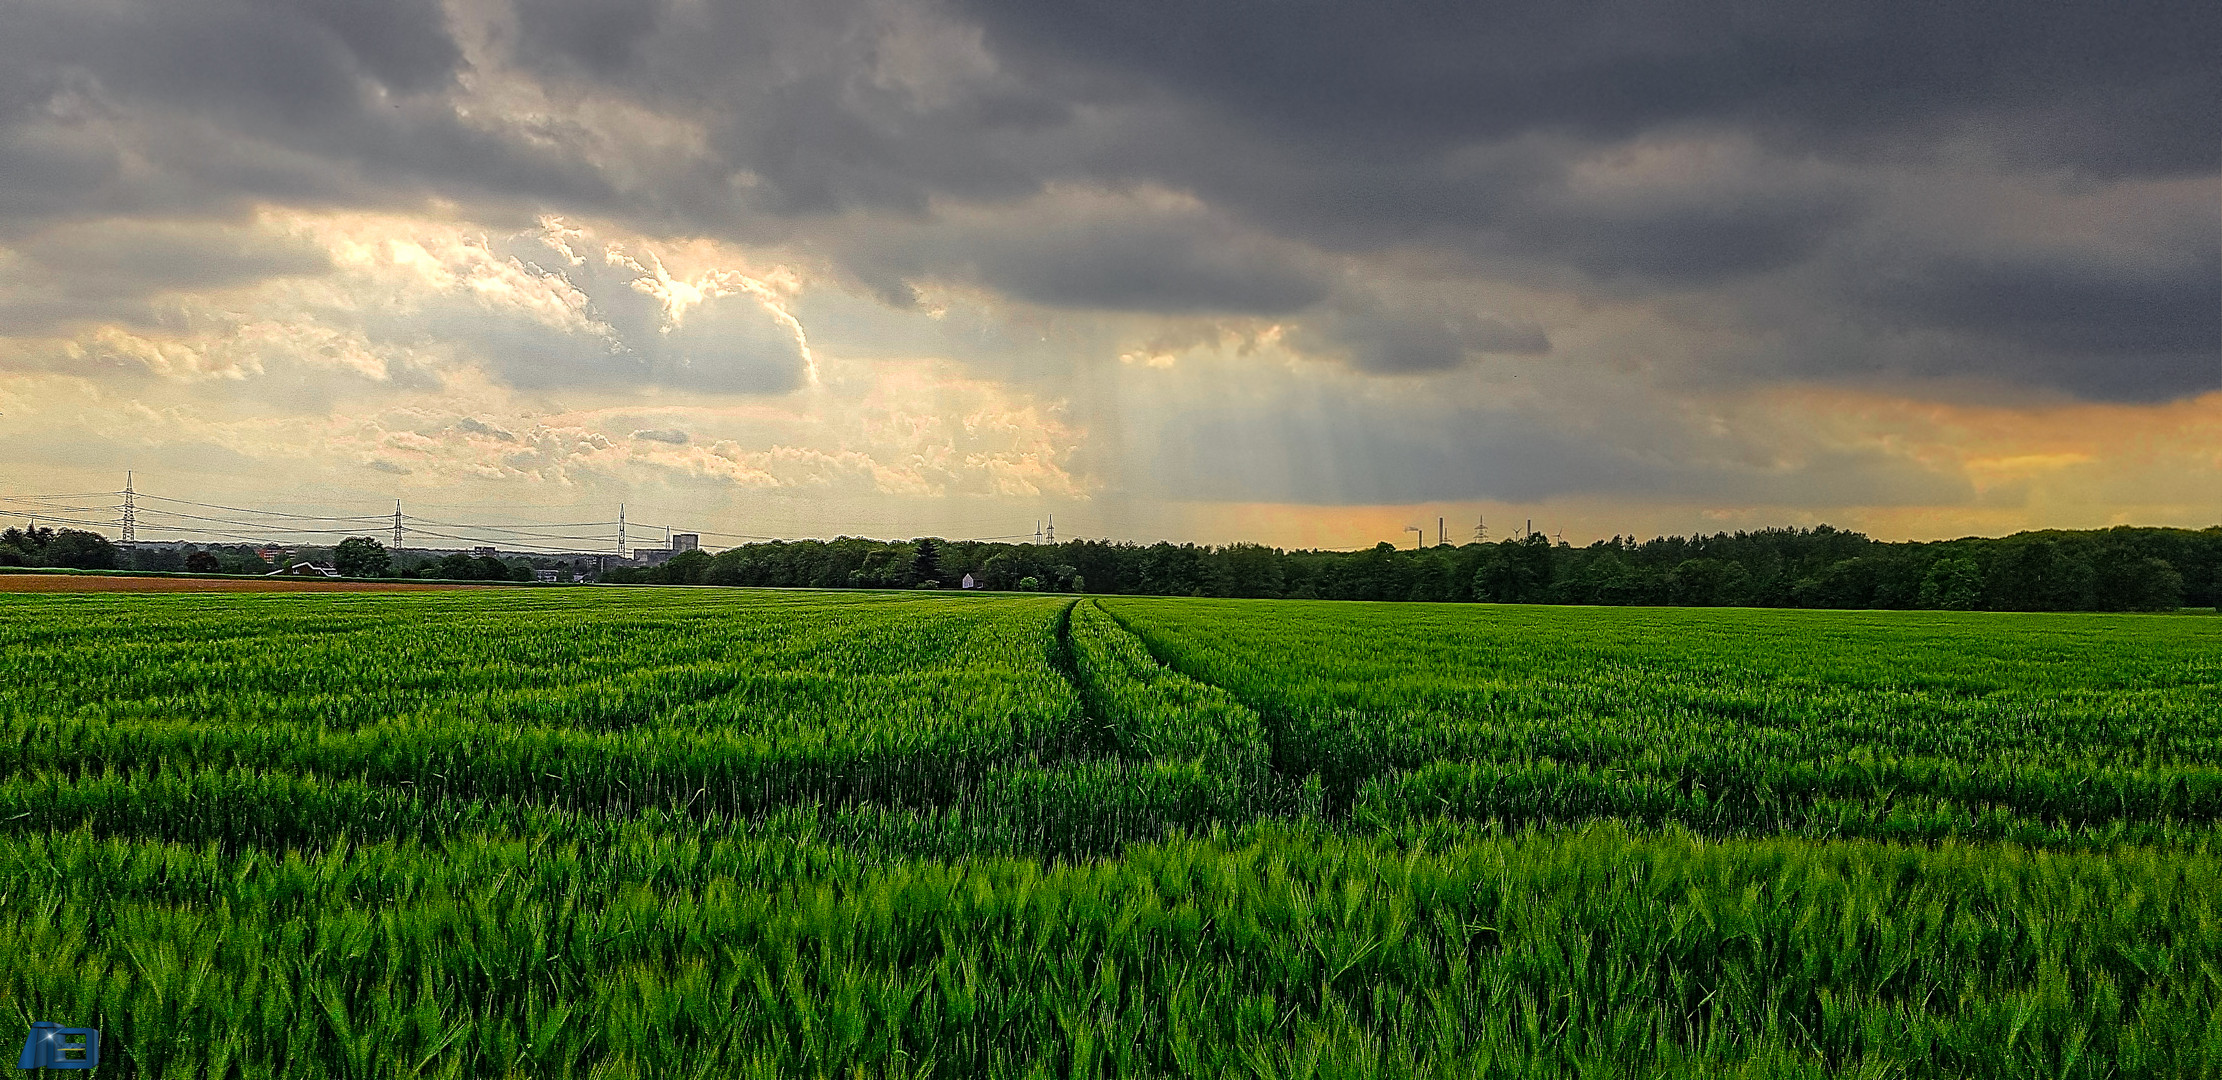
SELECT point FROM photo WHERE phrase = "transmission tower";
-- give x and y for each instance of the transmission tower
(1481, 529)
(620, 530)
(397, 524)
(130, 510)
(1052, 529)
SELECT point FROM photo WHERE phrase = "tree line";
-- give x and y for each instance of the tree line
(74, 548)
(356, 556)
(2118, 569)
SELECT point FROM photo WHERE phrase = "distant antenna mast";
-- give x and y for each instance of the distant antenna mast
(620, 530)
(1419, 541)
(130, 510)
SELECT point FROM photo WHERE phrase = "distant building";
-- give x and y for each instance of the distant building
(306, 569)
(489, 552)
(968, 582)
(546, 575)
(680, 544)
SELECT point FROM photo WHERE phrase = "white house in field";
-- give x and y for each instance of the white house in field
(969, 583)
(306, 569)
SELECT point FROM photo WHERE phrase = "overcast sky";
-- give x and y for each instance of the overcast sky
(1292, 271)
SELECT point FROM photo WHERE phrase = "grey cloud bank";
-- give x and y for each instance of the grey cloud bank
(1409, 191)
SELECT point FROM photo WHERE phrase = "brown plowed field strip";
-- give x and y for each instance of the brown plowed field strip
(120, 583)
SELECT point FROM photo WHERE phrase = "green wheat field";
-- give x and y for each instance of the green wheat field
(727, 833)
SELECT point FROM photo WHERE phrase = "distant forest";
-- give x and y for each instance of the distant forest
(2119, 569)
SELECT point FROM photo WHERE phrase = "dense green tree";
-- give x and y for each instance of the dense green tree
(80, 550)
(925, 562)
(1953, 584)
(1518, 572)
(244, 560)
(153, 557)
(2130, 582)
(458, 566)
(1817, 567)
(686, 568)
(361, 556)
(1252, 570)
(1167, 570)
(1697, 582)
(25, 547)
(2039, 575)
(1001, 571)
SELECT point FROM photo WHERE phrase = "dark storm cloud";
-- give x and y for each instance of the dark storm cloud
(1111, 253)
(2072, 305)
(118, 270)
(284, 63)
(807, 108)
(196, 106)
(1391, 336)
(2117, 321)
(600, 37)
(1149, 269)
(1616, 149)
(1467, 127)
(1692, 238)
(2133, 82)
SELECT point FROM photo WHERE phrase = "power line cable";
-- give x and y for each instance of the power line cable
(258, 526)
(538, 549)
(522, 525)
(58, 519)
(261, 535)
(201, 531)
(293, 529)
(707, 532)
(269, 513)
(483, 538)
(52, 508)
